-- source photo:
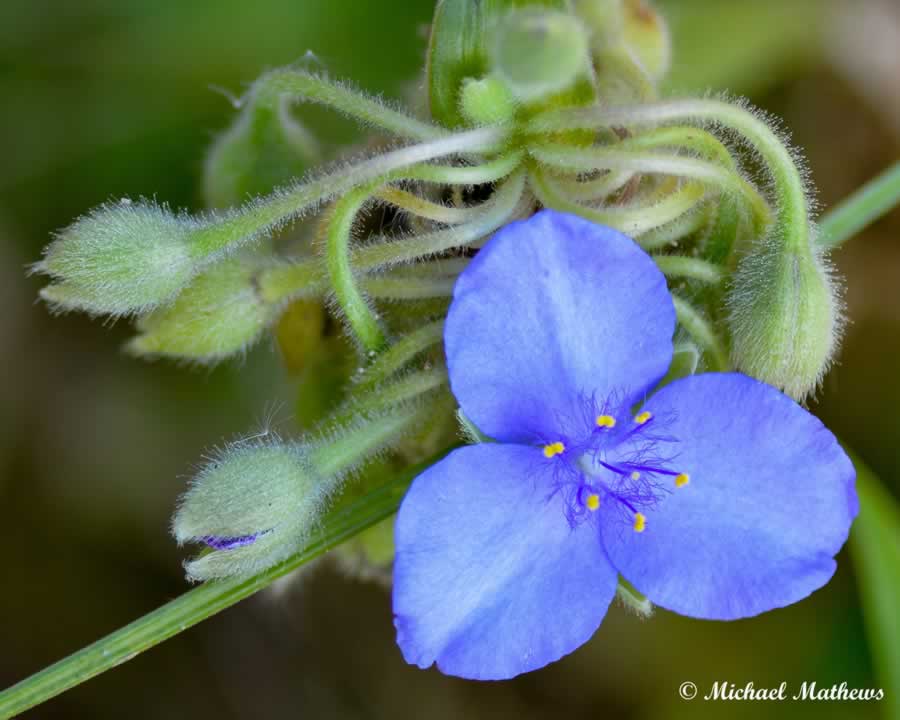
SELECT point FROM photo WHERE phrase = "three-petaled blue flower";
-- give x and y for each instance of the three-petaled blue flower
(717, 497)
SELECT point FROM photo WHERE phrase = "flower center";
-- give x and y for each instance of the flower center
(624, 465)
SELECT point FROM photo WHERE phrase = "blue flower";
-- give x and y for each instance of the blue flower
(717, 497)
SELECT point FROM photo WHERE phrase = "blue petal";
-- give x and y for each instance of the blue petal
(490, 580)
(551, 310)
(769, 503)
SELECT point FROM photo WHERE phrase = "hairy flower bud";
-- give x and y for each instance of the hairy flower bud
(120, 259)
(257, 501)
(218, 315)
(539, 52)
(253, 505)
(784, 317)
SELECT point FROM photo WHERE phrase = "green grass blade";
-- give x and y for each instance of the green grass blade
(875, 547)
(870, 202)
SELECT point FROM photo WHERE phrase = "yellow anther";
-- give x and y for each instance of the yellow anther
(606, 421)
(635, 475)
(643, 417)
(640, 522)
(682, 480)
(592, 502)
(554, 449)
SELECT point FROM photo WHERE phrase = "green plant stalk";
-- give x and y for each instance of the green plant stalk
(202, 602)
(401, 352)
(788, 186)
(422, 207)
(359, 315)
(701, 332)
(680, 266)
(242, 226)
(302, 86)
(670, 233)
(714, 175)
(633, 221)
(285, 281)
(870, 202)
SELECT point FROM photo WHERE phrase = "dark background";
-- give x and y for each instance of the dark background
(104, 98)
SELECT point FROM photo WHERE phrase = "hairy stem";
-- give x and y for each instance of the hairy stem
(304, 86)
(241, 226)
(359, 315)
(702, 333)
(601, 158)
(680, 266)
(401, 352)
(788, 186)
(630, 220)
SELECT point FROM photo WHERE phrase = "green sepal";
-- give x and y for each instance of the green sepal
(265, 148)
(218, 315)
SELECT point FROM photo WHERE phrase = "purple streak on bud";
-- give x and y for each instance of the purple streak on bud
(229, 543)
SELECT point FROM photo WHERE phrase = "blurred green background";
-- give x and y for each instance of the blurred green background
(104, 98)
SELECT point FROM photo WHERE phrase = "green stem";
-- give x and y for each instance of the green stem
(870, 202)
(602, 158)
(408, 287)
(670, 233)
(701, 331)
(356, 441)
(360, 317)
(680, 266)
(303, 86)
(244, 225)
(681, 136)
(202, 602)
(492, 215)
(788, 186)
(401, 352)
(630, 220)
(422, 207)
(594, 189)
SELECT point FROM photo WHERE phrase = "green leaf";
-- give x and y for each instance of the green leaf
(875, 547)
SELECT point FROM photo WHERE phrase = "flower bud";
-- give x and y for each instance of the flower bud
(219, 314)
(630, 45)
(538, 52)
(784, 317)
(120, 259)
(646, 34)
(458, 50)
(486, 102)
(254, 504)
